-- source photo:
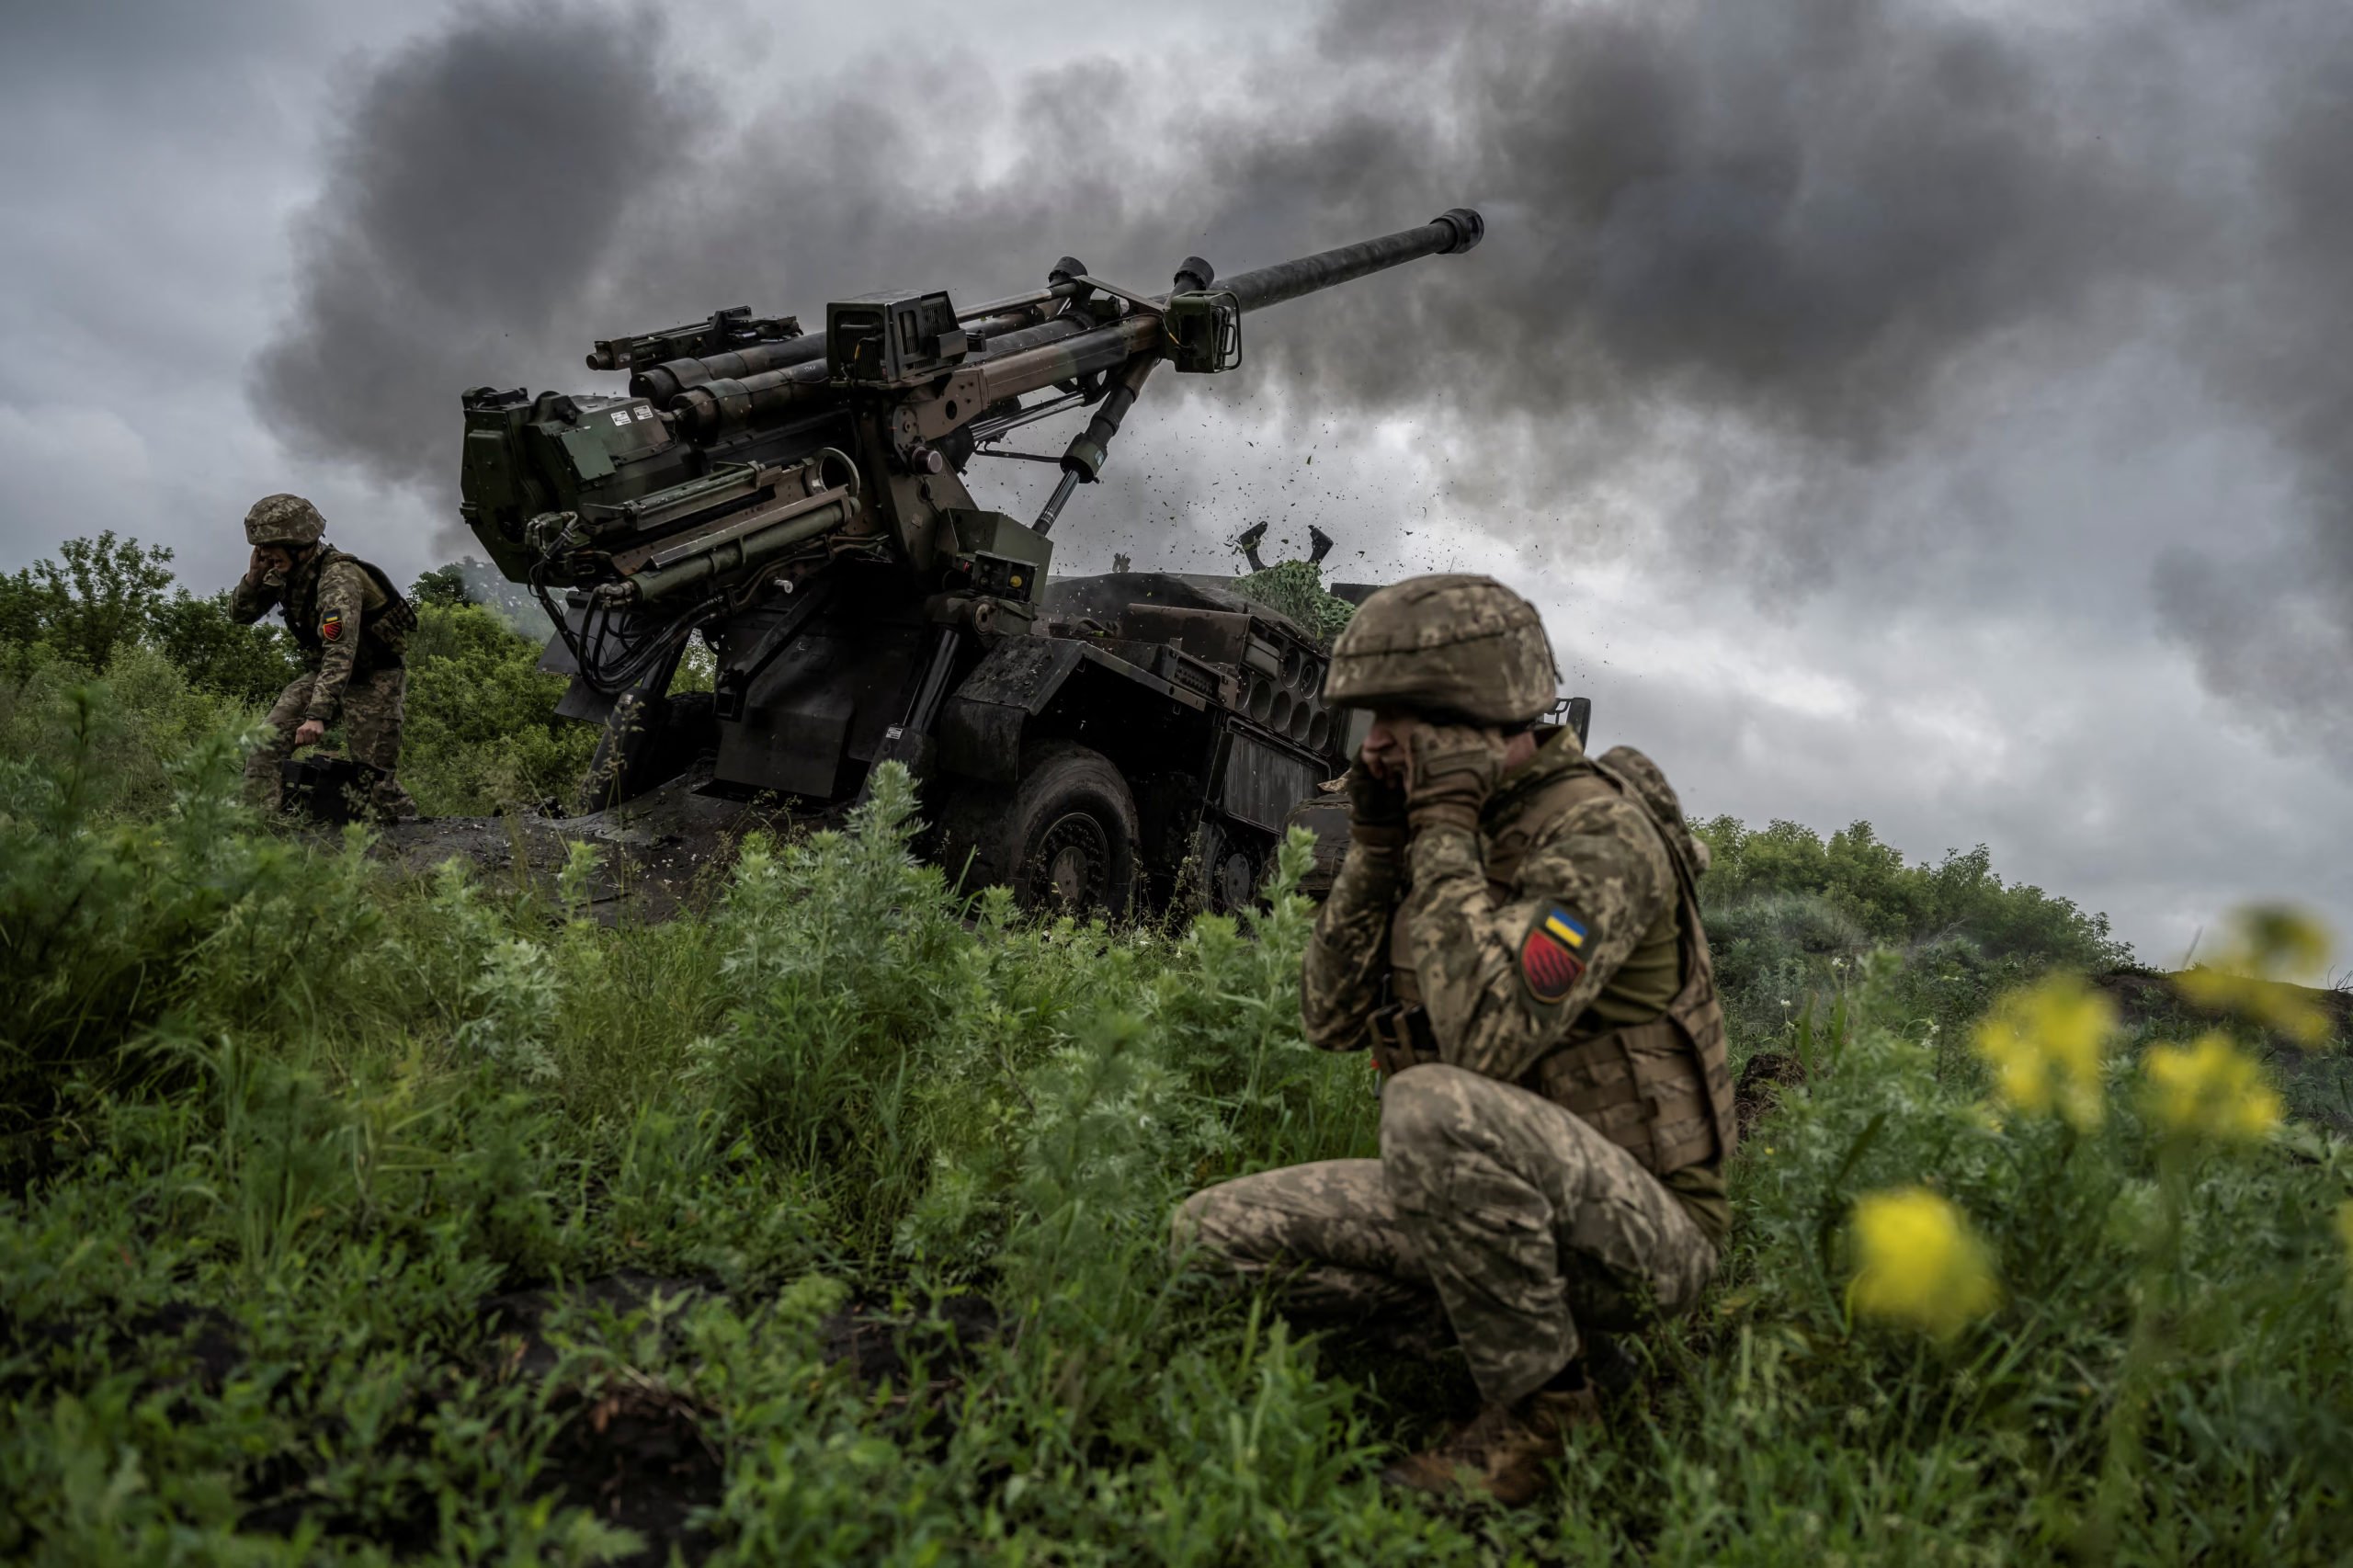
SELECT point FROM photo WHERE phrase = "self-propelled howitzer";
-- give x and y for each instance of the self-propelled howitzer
(798, 499)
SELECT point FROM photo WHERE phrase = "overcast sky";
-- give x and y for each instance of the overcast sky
(1925, 413)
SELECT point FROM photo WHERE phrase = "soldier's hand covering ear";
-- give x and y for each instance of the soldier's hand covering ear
(1376, 809)
(1453, 771)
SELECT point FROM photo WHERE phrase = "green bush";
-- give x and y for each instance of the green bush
(104, 592)
(1791, 916)
(128, 733)
(248, 664)
(108, 595)
(472, 582)
(1891, 900)
(108, 925)
(482, 734)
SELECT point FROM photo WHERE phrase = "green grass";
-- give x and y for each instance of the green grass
(287, 1139)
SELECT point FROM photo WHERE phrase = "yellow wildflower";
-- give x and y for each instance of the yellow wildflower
(1921, 1264)
(2210, 1089)
(2282, 942)
(2045, 1045)
(2269, 958)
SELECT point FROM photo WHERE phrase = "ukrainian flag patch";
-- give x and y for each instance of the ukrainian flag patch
(1552, 954)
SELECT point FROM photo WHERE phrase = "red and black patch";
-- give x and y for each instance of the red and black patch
(1549, 958)
(331, 627)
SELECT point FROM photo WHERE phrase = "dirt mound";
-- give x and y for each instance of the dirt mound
(2316, 1081)
(2150, 996)
(668, 850)
(640, 1454)
(629, 1449)
(178, 1344)
(1762, 1079)
(882, 1346)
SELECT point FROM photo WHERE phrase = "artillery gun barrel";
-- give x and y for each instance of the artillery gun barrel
(1059, 349)
(1053, 352)
(1456, 229)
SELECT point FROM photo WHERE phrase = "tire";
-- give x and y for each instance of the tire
(644, 745)
(1063, 837)
(1231, 866)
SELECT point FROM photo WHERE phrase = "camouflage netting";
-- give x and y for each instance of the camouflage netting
(1295, 589)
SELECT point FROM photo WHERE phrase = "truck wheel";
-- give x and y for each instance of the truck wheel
(645, 744)
(1062, 838)
(1228, 870)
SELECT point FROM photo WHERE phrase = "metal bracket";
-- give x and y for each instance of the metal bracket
(734, 687)
(1139, 301)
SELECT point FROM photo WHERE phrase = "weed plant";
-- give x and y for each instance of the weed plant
(291, 1138)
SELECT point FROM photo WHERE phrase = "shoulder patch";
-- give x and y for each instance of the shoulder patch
(1552, 956)
(331, 626)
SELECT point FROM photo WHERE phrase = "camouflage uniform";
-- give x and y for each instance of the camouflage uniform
(351, 625)
(1529, 966)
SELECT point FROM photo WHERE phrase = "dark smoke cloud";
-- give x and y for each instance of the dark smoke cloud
(478, 183)
(1779, 249)
(2269, 613)
(1802, 211)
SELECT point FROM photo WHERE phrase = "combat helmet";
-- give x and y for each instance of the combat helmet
(1450, 644)
(284, 519)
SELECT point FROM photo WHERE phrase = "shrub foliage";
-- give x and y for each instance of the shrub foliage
(481, 736)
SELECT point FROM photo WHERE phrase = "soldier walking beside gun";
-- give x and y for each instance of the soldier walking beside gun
(1515, 934)
(352, 626)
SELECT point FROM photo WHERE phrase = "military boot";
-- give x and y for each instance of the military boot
(1501, 1453)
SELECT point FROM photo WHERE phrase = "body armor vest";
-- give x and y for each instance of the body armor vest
(1661, 1089)
(385, 618)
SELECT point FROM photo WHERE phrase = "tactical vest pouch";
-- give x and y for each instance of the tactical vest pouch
(389, 618)
(1645, 1087)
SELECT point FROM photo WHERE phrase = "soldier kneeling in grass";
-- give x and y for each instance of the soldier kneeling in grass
(352, 626)
(1515, 935)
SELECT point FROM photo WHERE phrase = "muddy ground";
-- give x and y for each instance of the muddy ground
(668, 850)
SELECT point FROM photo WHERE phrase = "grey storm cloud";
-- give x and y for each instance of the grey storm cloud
(1830, 223)
(476, 184)
(2271, 624)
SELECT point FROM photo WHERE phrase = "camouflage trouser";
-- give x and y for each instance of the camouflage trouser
(370, 721)
(1520, 1220)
